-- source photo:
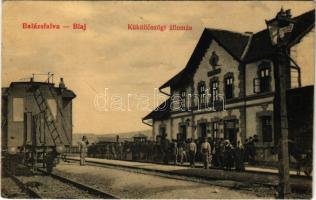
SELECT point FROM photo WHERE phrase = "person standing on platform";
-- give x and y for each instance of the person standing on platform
(206, 152)
(175, 152)
(239, 157)
(192, 152)
(120, 151)
(246, 151)
(181, 153)
(165, 150)
(222, 153)
(83, 150)
(252, 150)
(228, 155)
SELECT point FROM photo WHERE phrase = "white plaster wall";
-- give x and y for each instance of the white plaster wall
(175, 128)
(252, 73)
(251, 120)
(175, 104)
(207, 117)
(156, 128)
(228, 64)
(251, 124)
(175, 98)
(304, 55)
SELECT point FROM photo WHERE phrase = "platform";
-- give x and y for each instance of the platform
(137, 184)
(253, 175)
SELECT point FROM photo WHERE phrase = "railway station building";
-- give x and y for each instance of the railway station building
(226, 90)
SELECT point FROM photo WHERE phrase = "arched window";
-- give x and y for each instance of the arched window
(229, 85)
(162, 130)
(183, 100)
(215, 133)
(214, 89)
(182, 135)
(201, 91)
(265, 76)
(266, 128)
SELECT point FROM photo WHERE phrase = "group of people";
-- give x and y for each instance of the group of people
(122, 150)
(220, 153)
(108, 151)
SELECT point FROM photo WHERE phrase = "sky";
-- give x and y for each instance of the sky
(108, 65)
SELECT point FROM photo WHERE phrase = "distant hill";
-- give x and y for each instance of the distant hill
(92, 137)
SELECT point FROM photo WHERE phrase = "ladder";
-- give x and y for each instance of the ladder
(64, 123)
(48, 116)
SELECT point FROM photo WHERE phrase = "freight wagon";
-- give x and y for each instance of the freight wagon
(36, 122)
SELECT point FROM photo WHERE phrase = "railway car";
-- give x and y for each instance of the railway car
(36, 122)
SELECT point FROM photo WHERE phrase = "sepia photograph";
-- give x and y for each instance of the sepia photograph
(157, 99)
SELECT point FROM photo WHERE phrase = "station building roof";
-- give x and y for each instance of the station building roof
(161, 112)
(244, 47)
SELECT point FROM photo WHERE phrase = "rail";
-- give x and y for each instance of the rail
(34, 193)
(25, 188)
(81, 186)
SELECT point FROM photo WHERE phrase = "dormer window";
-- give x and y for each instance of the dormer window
(265, 78)
(263, 81)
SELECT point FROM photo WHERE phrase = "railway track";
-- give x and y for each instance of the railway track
(43, 186)
(13, 188)
(84, 187)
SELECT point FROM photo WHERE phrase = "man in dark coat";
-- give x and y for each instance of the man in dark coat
(175, 152)
(192, 152)
(239, 157)
(228, 155)
(251, 150)
(165, 150)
